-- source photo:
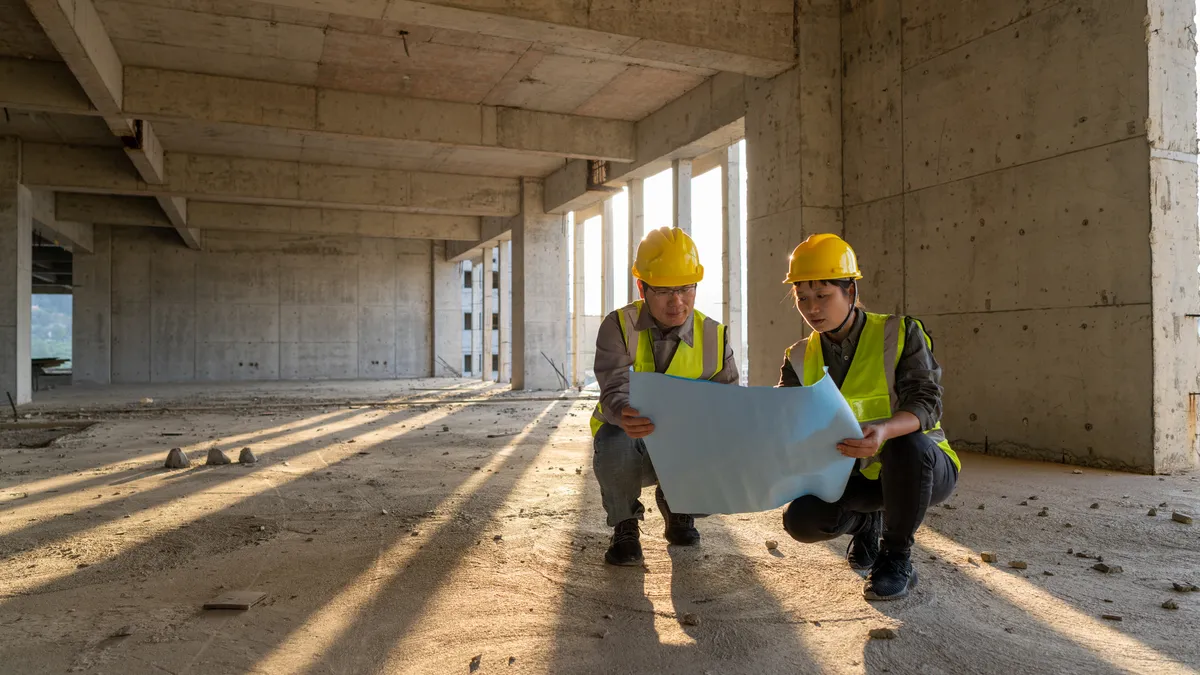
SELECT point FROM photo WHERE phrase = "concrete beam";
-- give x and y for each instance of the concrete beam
(275, 182)
(140, 212)
(72, 235)
(42, 86)
(754, 38)
(705, 119)
(226, 101)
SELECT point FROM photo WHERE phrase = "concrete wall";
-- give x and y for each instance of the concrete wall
(268, 306)
(16, 268)
(91, 320)
(997, 184)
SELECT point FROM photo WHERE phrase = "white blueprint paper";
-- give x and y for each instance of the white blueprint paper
(719, 448)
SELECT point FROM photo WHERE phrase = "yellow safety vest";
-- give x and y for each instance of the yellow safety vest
(870, 385)
(701, 361)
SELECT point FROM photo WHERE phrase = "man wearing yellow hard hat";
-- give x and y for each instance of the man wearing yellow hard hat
(660, 333)
(885, 369)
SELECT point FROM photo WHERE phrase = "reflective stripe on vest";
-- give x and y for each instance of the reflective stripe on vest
(870, 396)
(701, 361)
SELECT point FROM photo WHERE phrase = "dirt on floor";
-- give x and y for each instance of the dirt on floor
(414, 532)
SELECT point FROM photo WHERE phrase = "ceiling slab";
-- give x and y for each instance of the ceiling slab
(637, 92)
(39, 127)
(554, 82)
(21, 35)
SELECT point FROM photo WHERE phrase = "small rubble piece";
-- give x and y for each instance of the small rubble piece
(123, 631)
(235, 600)
(1111, 617)
(1033, 498)
(1048, 573)
(1185, 587)
(1181, 518)
(512, 660)
(1170, 604)
(445, 428)
(602, 633)
(608, 616)
(578, 471)
(988, 557)
(1070, 551)
(772, 544)
(147, 401)
(1018, 564)
(883, 634)
(981, 507)
(1077, 471)
(383, 512)
(1095, 505)
(949, 507)
(176, 459)
(1152, 512)
(217, 456)
(475, 662)
(1107, 569)
(690, 619)
(1162, 505)
(1024, 503)
(1044, 512)
(247, 457)
(497, 538)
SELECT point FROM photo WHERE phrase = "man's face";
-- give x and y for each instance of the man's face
(672, 306)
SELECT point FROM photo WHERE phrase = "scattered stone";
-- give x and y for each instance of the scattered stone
(1185, 587)
(383, 512)
(1044, 512)
(416, 533)
(1170, 604)
(690, 619)
(1111, 617)
(145, 401)
(216, 456)
(578, 471)
(1152, 512)
(883, 634)
(1162, 505)
(247, 457)
(176, 459)
(603, 633)
(1048, 573)
(949, 507)
(1107, 569)
(497, 538)
(235, 600)
(123, 631)
(1018, 564)
(1024, 503)
(1070, 551)
(445, 428)
(1095, 505)
(1181, 518)
(981, 507)
(1033, 498)
(512, 660)
(608, 616)
(988, 557)
(445, 453)
(772, 544)
(1077, 471)
(1068, 525)
(475, 662)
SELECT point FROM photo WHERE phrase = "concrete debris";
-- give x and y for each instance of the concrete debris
(608, 616)
(883, 634)
(981, 507)
(445, 428)
(1018, 564)
(176, 459)
(383, 512)
(690, 619)
(578, 471)
(1048, 573)
(988, 557)
(1107, 569)
(1095, 505)
(147, 401)
(475, 662)
(216, 457)
(236, 600)
(1152, 512)
(1024, 503)
(1033, 498)
(1111, 617)
(1162, 505)
(772, 544)
(603, 633)
(123, 631)
(1185, 587)
(512, 660)
(949, 507)
(1170, 604)
(497, 538)
(1181, 518)
(1044, 512)
(247, 457)
(1077, 471)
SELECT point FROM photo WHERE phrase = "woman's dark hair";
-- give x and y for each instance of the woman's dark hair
(844, 284)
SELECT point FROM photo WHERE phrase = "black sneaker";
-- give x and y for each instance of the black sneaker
(891, 577)
(681, 528)
(864, 545)
(624, 548)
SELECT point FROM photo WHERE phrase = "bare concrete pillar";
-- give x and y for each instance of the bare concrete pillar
(731, 253)
(489, 306)
(539, 306)
(447, 315)
(608, 272)
(16, 274)
(681, 194)
(637, 228)
(505, 311)
(578, 320)
(476, 316)
(91, 313)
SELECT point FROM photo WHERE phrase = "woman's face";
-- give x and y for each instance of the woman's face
(823, 305)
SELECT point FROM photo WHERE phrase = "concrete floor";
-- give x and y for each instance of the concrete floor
(411, 538)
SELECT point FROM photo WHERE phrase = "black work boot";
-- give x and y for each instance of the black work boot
(681, 528)
(891, 577)
(864, 545)
(624, 547)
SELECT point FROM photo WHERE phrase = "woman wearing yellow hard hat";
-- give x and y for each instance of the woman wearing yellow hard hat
(884, 367)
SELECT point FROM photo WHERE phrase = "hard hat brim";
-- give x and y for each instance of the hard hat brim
(682, 280)
(795, 279)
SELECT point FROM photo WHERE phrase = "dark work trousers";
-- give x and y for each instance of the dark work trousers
(622, 467)
(915, 474)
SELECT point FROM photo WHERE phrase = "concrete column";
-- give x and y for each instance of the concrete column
(731, 254)
(506, 311)
(637, 228)
(447, 316)
(681, 194)
(608, 271)
(539, 307)
(578, 320)
(16, 270)
(476, 316)
(485, 322)
(91, 313)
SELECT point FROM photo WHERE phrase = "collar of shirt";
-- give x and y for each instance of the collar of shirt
(847, 346)
(646, 322)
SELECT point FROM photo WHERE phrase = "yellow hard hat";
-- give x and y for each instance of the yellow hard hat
(821, 257)
(668, 257)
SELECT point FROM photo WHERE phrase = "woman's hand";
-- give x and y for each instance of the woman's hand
(634, 424)
(873, 437)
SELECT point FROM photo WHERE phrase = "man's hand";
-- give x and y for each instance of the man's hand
(873, 437)
(634, 424)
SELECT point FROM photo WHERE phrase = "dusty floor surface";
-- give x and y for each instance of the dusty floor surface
(413, 538)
